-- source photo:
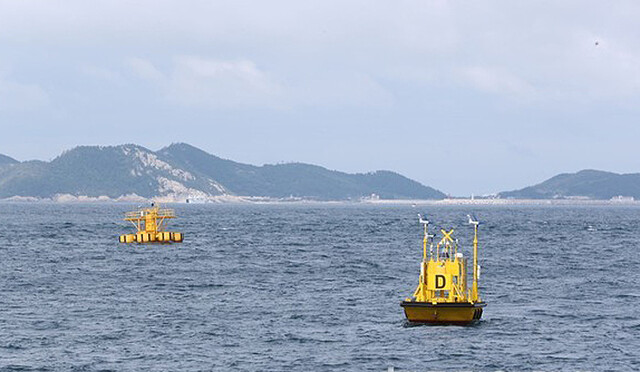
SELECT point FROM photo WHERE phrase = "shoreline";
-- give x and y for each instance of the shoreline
(229, 199)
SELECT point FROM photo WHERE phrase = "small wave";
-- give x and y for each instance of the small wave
(12, 346)
(205, 286)
(22, 367)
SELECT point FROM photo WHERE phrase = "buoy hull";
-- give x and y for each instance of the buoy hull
(461, 313)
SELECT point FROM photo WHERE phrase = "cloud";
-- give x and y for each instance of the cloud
(502, 48)
(101, 73)
(497, 81)
(144, 69)
(21, 97)
(610, 70)
(195, 81)
(356, 89)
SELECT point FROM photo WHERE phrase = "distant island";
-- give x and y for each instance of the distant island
(184, 173)
(586, 184)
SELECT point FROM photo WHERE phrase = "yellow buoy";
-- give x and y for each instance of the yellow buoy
(163, 236)
(442, 295)
(177, 237)
(150, 224)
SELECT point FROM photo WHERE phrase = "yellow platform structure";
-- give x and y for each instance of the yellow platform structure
(442, 295)
(150, 226)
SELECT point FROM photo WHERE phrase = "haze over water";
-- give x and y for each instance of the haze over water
(313, 287)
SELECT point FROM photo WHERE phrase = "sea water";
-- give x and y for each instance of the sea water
(314, 288)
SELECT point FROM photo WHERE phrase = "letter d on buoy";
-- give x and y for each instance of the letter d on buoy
(441, 281)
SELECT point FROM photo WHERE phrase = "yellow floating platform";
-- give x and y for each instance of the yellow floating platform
(443, 295)
(161, 237)
(150, 226)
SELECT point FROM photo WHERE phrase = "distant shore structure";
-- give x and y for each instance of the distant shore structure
(621, 198)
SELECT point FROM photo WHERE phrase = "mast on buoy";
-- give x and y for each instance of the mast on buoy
(474, 287)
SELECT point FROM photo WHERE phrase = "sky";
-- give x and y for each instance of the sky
(469, 97)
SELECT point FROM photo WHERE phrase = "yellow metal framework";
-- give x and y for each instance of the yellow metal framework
(443, 274)
(150, 226)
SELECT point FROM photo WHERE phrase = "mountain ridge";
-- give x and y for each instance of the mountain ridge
(587, 183)
(181, 171)
(7, 160)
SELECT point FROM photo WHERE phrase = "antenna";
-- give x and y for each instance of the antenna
(476, 268)
(425, 223)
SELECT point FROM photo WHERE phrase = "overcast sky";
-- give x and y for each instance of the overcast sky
(468, 97)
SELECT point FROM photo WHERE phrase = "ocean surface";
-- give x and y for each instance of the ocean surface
(313, 288)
